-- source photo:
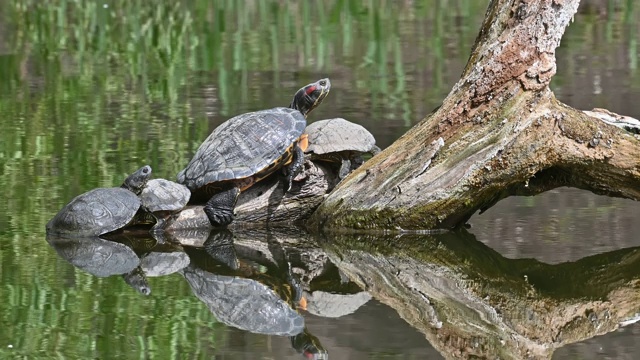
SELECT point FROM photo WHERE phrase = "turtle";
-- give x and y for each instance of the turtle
(102, 210)
(161, 198)
(339, 141)
(335, 305)
(247, 148)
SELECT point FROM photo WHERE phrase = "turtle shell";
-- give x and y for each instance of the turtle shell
(95, 212)
(251, 144)
(244, 303)
(337, 135)
(164, 195)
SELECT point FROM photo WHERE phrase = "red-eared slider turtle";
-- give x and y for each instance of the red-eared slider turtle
(340, 141)
(309, 346)
(248, 148)
(161, 198)
(101, 210)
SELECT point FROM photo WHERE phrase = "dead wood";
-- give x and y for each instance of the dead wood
(500, 132)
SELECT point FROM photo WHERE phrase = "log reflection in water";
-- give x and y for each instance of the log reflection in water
(470, 301)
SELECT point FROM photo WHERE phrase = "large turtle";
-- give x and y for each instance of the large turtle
(160, 198)
(101, 210)
(248, 148)
(340, 141)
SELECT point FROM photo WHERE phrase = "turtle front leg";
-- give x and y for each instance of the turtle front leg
(219, 208)
(295, 167)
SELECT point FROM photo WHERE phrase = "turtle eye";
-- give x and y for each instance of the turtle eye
(323, 82)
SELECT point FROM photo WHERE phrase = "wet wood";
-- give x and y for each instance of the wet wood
(266, 202)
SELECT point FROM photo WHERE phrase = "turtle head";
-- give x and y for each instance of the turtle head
(136, 181)
(310, 96)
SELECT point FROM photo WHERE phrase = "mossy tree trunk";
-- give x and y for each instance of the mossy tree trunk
(500, 132)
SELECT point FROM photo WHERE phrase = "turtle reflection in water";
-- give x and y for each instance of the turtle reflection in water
(134, 258)
(102, 258)
(240, 294)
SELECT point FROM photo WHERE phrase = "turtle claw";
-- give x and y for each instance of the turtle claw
(219, 208)
(289, 184)
(219, 217)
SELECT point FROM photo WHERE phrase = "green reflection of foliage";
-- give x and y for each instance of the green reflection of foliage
(62, 311)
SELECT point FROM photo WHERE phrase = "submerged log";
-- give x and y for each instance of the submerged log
(500, 132)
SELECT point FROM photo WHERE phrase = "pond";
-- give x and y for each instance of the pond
(92, 90)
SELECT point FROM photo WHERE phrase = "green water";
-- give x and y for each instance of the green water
(91, 90)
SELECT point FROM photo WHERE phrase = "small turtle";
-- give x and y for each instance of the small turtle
(247, 148)
(161, 198)
(340, 141)
(101, 210)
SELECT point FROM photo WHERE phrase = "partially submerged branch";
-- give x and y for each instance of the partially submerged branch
(502, 130)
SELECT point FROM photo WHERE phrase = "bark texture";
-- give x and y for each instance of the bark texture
(500, 132)
(266, 201)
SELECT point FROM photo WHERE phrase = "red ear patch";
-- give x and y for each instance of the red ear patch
(310, 89)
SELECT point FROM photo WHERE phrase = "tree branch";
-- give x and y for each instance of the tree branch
(503, 131)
